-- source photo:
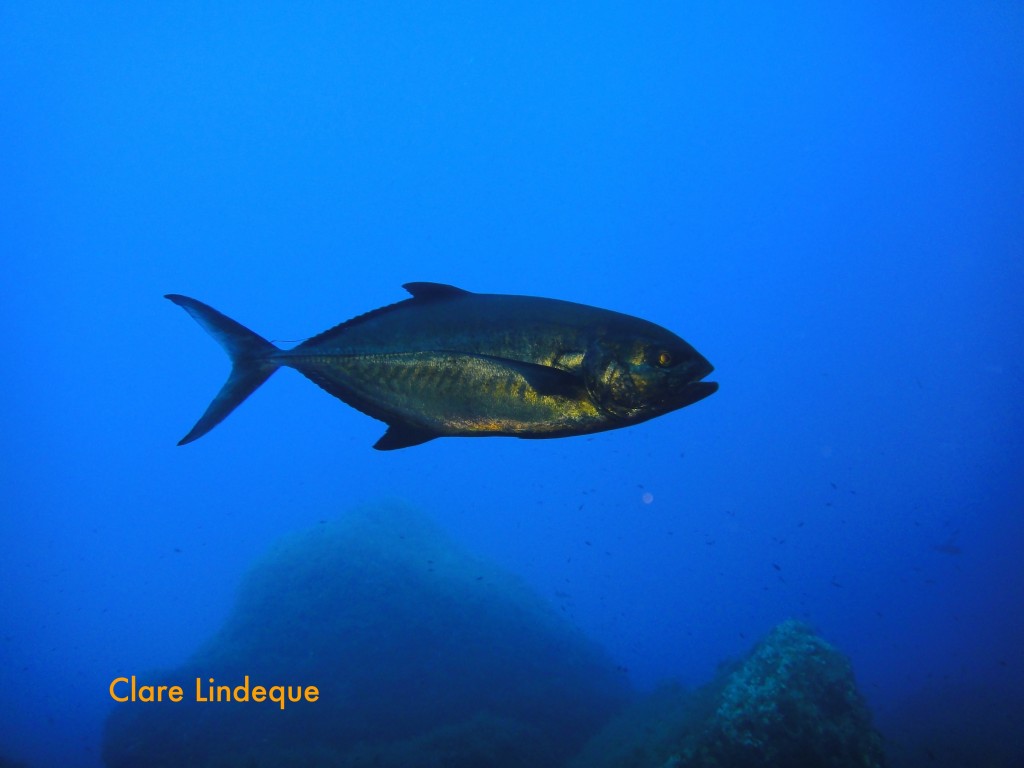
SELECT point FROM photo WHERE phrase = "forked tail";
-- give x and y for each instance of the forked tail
(251, 362)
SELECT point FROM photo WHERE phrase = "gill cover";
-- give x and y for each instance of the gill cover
(608, 370)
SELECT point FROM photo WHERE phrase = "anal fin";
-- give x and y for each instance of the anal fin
(403, 436)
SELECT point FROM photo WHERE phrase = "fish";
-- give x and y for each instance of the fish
(949, 546)
(448, 362)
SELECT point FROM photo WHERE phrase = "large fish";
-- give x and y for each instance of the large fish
(448, 362)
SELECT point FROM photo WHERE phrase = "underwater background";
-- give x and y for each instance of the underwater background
(826, 200)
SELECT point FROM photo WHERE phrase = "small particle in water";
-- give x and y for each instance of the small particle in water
(647, 498)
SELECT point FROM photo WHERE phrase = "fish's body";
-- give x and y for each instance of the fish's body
(448, 362)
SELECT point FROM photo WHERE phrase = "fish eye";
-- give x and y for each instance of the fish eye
(664, 358)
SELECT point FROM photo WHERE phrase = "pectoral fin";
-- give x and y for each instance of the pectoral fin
(546, 380)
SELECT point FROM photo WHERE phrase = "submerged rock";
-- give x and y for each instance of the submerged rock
(791, 703)
(423, 656)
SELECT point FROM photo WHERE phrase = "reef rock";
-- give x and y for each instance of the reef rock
(423, 656)
(791, 703)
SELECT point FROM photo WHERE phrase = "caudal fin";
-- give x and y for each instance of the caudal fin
(251, 362)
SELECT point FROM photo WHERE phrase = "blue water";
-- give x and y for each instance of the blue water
(826, 200)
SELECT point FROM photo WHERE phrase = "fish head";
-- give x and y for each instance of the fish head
(639, 376)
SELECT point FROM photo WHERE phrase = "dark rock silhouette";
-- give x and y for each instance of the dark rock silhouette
(423, 655)
(951, 724)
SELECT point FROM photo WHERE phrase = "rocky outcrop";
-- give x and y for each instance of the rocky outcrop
(791, 703)
(423, 655)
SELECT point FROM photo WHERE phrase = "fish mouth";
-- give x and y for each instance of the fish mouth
(697, 390)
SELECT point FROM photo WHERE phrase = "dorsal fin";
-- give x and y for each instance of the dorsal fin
(419, 291)
(434, 291)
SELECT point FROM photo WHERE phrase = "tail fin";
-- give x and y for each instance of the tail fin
(251, 362)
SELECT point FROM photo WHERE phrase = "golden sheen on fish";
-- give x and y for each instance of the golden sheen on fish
(451, 363)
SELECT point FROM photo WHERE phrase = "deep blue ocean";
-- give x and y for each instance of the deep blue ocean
(826, 200)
